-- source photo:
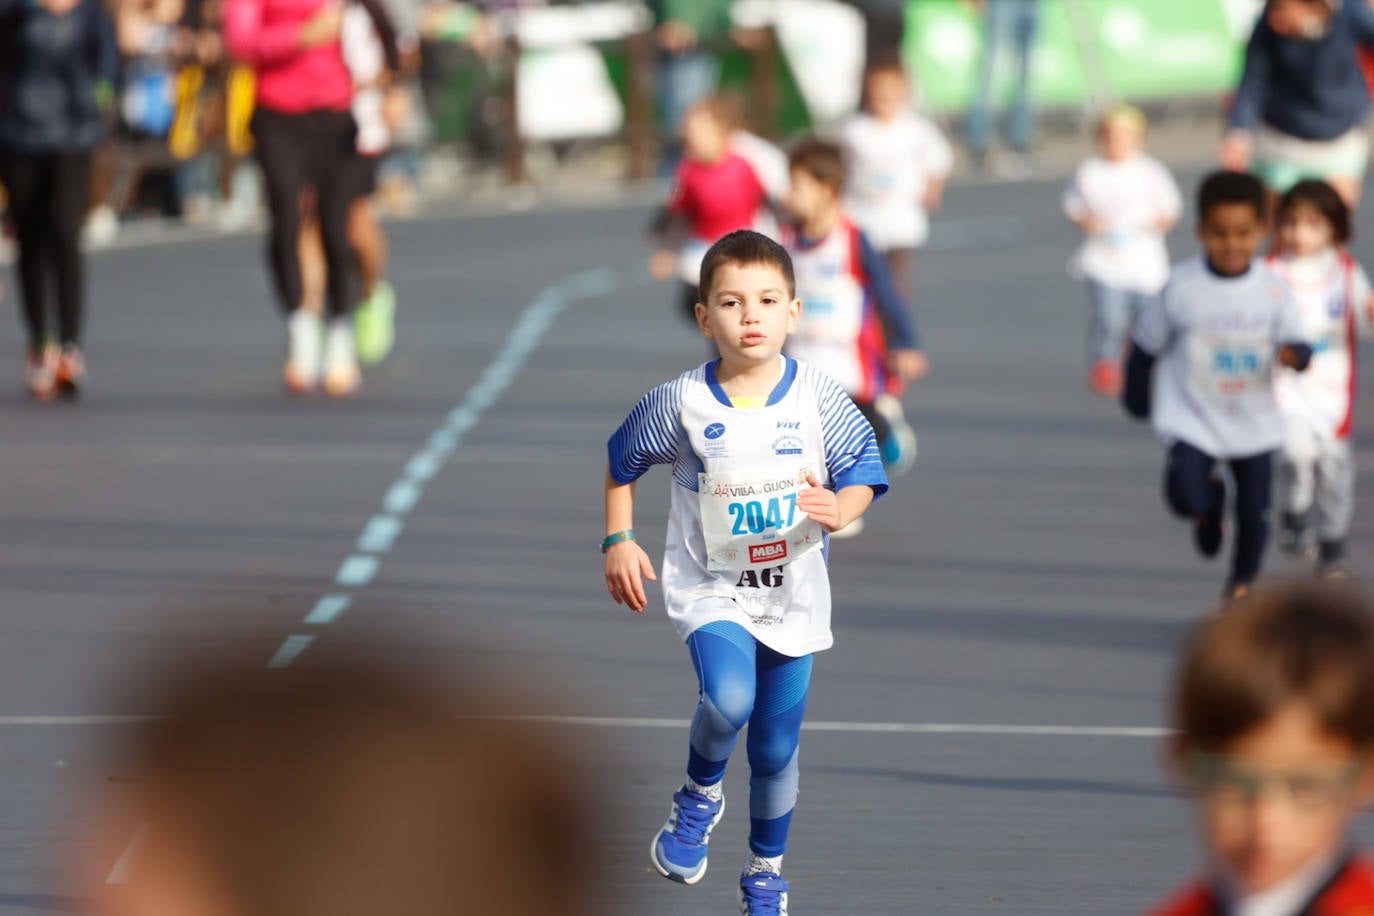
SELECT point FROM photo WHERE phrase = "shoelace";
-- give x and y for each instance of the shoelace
(763, 901)
(692, 822)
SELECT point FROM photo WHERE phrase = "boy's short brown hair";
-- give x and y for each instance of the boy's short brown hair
(1308, 642)
(822, 160)
(744, 246)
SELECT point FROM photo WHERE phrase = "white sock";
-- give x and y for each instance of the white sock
(714, 793)
(759, 864)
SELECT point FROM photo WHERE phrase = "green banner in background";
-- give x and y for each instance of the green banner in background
(1087, 51)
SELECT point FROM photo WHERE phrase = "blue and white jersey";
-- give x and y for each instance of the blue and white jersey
(737, 547)
(1217, 339)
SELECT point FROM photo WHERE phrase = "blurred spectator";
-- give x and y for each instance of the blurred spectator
(1010, 29)
(57, 67)
(688, 68)
(346, 788)
(305, 139)
(1303, 100)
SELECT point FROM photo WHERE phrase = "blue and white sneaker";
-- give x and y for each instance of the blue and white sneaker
(764, 894)
(899, 451)
(679, 850)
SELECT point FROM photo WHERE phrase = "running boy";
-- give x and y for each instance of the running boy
(1272, 707)
(1317, 464)
(899, 162)
(1125, 202)
(715, 191)
(768, 457)
(1217, 329)
(855, 325)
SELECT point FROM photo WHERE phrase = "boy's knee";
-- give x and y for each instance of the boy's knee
(771, 752)
(733, 702)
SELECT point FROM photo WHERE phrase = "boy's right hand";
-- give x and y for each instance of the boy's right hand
(1236, 149)
(626, 562)
(663, 265)
(322, 28)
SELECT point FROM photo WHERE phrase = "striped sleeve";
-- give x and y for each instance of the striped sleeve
(649, 435)
(851, 448)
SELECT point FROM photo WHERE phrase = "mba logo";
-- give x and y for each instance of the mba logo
(714, 431)
(768, 553)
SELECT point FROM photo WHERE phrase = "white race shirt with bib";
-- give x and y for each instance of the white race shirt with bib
(1217, 339)
(833, 307)
(1331, 291)
(738, 548)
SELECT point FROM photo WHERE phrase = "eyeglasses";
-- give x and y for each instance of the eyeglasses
(1227, 781)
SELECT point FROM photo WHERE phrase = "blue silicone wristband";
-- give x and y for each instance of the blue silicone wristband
(619, 537)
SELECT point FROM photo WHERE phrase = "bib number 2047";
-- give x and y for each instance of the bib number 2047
(756, 516)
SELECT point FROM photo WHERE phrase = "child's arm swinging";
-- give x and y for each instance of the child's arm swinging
(626, 561)
(830, 509)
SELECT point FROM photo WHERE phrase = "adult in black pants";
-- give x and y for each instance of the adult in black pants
(58, 63)
(306, 139)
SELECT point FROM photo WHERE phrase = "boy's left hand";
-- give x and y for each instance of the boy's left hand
(908, 365)
(821, 505)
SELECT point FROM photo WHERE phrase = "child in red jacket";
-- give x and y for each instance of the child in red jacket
(1272, 704)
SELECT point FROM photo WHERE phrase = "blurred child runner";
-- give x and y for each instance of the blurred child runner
(1317, 463)
(769, 456)
(1125, 201)
(1271, 703)
(715, 191)
(899, 162)
(1216, 330)
(848, 302)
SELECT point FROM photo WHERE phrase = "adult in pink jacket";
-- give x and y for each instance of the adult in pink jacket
(305, 138)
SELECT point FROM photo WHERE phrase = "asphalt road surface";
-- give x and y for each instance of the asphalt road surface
(1024, 575)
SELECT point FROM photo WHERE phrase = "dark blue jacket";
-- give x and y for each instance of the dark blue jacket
(49, 69)
(1309, 89)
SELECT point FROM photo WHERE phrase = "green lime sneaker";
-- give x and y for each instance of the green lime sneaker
(375, 324)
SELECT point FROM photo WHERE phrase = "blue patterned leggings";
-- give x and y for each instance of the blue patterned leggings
(745, 682)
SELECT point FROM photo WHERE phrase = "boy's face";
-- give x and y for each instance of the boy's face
(887, 94)
(704, 138)
(748, 313)
(1303, 230)
(1279, 797)
(1298, 17)
(808, 195)
(1120, 140)
(1231, 233)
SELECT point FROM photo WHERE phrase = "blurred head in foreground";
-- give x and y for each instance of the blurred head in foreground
(342, 789)
(1274, 705)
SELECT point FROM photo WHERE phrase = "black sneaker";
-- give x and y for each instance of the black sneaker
(1294, 536)
(1330, 561)
(1207, 531)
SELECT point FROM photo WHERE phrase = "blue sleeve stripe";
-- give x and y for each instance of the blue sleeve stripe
(648, 436)
(851, 449)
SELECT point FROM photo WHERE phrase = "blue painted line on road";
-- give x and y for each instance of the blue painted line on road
(402, 497)
(358, 570)
(329, 608)
(291, 647)
(381, 532)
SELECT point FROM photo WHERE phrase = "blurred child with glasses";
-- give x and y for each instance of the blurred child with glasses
(1272, 704)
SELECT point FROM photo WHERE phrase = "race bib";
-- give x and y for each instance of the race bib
(832, 313)
(752, 520)
(1230, 365)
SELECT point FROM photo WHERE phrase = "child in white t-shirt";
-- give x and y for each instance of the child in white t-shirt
(1317, 464)
(899, 162)
(1125, 202)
